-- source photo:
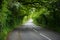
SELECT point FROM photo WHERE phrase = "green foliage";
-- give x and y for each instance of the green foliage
(11, 15)
(51, 17)
(13, 12)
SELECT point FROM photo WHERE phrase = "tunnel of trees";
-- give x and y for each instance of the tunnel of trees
(45, 13)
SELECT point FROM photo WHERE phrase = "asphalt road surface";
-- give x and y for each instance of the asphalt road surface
(29, 31)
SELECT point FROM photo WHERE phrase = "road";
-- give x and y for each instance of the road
(30, 31)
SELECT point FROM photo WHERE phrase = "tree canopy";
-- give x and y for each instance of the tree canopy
(13, 12)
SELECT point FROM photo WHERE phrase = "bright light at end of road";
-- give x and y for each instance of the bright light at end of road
(30, 20)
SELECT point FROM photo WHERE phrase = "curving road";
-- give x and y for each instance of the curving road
(29, 31)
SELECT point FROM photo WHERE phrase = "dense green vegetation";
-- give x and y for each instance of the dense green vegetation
(11, 14)
(49, 15)
(45, 13)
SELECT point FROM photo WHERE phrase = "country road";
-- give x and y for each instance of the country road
(30, 31)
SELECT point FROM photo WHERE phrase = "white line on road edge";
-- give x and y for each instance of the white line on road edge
(42, 35)
(35, 30)
(45, 36)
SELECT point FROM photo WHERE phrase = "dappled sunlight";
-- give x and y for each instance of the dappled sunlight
(29, 19)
